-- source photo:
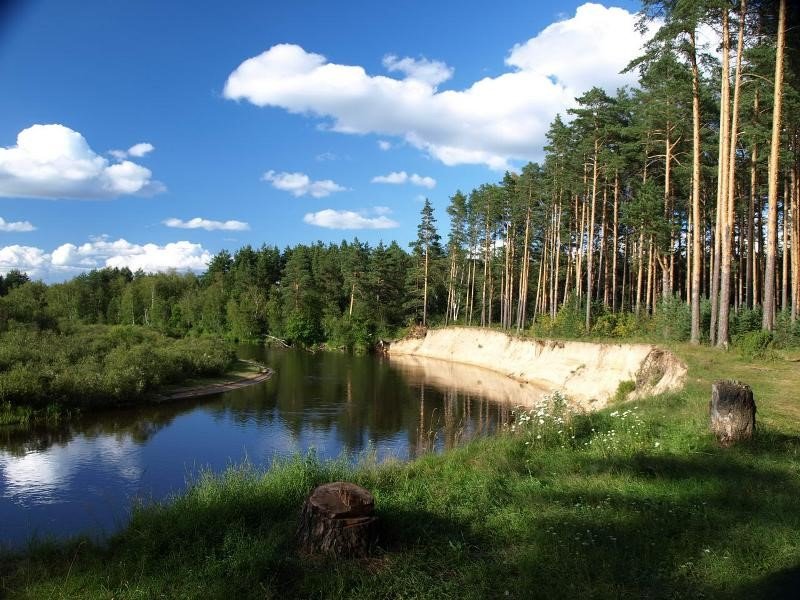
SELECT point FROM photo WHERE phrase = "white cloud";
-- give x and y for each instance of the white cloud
(384, 145)
(494, 121)
(137, 150)
(182, 256)
(69, 259)
(348, 219)
(140, 149)
(208, 225)
(53, 161)
(432, 72)
(16, 226)
(395, 177)
(427, 182)
(587, 50)
(24, 258)
(400, 177)
(300, 184)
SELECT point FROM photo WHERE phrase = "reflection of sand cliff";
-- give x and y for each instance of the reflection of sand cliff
(587, 373)
(467, 379)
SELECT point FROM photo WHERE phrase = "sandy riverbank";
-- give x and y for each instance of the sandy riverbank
(234, 381)
(589, 373)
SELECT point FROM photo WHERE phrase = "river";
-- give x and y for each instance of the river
(82, 477)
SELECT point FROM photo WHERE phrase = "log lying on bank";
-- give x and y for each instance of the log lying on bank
(732, 412)
(338, 519)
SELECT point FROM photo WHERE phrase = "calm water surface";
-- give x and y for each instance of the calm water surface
(83, 477)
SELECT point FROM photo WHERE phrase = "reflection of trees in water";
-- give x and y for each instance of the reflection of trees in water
(137, 424)
(359, 399)
(460, 418)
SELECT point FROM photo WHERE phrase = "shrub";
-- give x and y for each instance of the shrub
(755, 344)
(746, 320)
(99, 364)
(570, 320)
(786, 331)
(623, 389)
(673, 319)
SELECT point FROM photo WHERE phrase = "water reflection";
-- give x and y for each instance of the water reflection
(83, 476)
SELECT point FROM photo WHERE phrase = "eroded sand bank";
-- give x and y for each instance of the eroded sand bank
(588, 373)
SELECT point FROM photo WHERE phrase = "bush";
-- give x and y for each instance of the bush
(755, 344)
(95, 365)
(745, 321)
(673, 319)
(787, 332)
(623, 389)
(570, 320)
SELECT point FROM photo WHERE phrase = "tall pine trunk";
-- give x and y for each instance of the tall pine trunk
(774, 162)
(698, 228)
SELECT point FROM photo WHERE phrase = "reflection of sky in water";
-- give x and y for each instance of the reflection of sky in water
(73, 487)
(86, 480)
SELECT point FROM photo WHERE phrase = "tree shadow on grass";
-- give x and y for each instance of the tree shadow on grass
(672, 526)
(779, 585)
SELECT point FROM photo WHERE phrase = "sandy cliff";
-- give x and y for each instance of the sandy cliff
(588, 373)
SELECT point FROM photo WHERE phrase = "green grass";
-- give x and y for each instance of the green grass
(653, 510)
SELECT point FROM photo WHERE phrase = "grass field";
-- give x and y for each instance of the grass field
(636, 501)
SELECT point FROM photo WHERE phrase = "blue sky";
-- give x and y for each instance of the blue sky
(273, 123)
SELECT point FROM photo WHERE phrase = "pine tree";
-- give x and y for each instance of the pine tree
(427, 249)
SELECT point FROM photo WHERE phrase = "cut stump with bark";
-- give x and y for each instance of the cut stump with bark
(732, 412)
(338, 519)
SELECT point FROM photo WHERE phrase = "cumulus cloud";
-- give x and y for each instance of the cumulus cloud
(54, 161)
(587, 50)
(69, 259)
(208, 225)
(140, 149)
(428, 182)
(25, 258)
(182, 256)
(400, 177)
(137, 150)
(494, 121)
(348, 219)
(300, 184)
(384, 145)
(432, 72)
(16, 226)
(395, 177)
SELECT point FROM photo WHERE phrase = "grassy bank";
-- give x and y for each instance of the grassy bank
(45, 374)
(635, 501)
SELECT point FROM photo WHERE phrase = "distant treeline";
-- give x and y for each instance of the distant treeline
(345, 294)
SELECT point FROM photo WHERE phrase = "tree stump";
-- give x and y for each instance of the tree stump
(733, 412)
(338, 519)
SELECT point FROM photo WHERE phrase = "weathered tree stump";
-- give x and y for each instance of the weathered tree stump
(338, 519)
(732, 411)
